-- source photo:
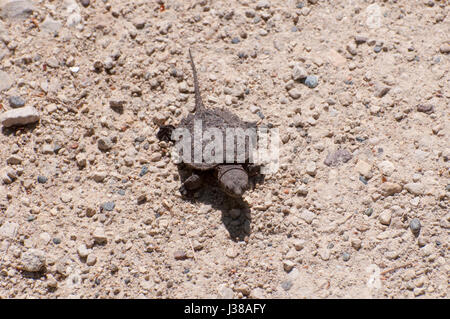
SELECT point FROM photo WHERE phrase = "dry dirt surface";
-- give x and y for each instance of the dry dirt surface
(89, 200)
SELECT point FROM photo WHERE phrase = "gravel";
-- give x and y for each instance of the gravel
(104, 76)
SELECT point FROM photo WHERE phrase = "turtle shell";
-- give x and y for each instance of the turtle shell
(221, 120)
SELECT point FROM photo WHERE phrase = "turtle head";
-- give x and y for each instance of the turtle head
(233, 179)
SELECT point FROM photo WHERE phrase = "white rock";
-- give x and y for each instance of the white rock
(415, 188)
(5, 81)
(324, 254)
(9, 230)
(98, 176)
(374, 16)
(47, 149)
(364, 169)
(45, 237)
(19, 116)
(386, 168)
(91, 260)
(13, 9)
(224, 292)
(302, 190)
(7, 175)
(295, 93)
(299, 244)
(385, 217)
(99, 235)
(50, 26)
(65, 198)
(82, 251)
(307, 216)
(51, 281)
(427, 250)
(257, 293)
(299, 73)
(311, 168)
(33, 260)
(232, 252)
(74, 69)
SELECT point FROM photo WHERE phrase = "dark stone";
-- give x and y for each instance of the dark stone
(338, 157)
(16, 101)
(85, 3)
(109, 206)
(235, 40)
(363, 180)
(42, 179)
(144, 171)
(415, 226)
(425, 108)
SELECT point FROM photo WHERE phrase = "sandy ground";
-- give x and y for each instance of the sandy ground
(89, 200)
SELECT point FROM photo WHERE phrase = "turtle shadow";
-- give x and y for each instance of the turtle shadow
(235, 212)
(19, 129)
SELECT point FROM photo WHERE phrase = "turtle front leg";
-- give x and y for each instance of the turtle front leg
(192, 183)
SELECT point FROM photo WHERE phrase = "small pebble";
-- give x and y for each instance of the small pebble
(16, 101)
(82, 251)
(33, 260)
(288, 265)
(425, 108)
(235, 40)
(415, 226)
(42, 179)
(345, 256)
(144, 171)
(180, 255)
(338, 157)
(286, 285)
(108, 206)
(311, 81)
(385, 217)
(368, 211)
(377, 49)
(360, 39)
(91, 260)
(99, 235)
(56, 241)
(19, 116)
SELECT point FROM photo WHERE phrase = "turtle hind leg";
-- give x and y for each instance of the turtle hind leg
(191, 184)
(165, 133)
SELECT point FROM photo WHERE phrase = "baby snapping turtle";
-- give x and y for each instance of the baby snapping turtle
(233, 174)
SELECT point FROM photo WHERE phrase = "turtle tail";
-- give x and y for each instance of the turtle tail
(198, 98)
